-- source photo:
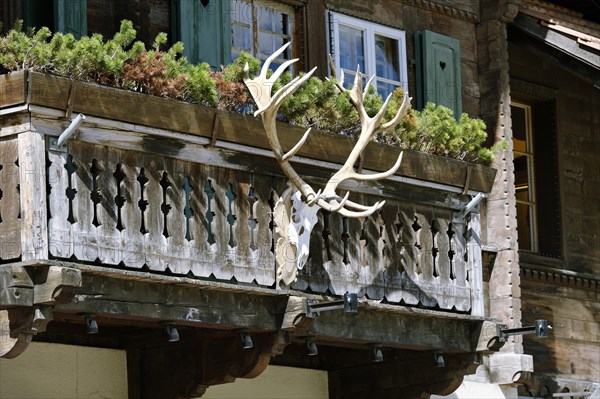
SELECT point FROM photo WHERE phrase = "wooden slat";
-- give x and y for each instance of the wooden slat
(60, 237)
(10, 225)
(475, 266)
(132, 240)
(12, 89)
(32, 193)
(84, 234)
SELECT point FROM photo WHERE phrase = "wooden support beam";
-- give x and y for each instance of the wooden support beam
(410, 376)
(186, 368)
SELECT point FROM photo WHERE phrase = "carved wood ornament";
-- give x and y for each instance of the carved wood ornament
(296, 210)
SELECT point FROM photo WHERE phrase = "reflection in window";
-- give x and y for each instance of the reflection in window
(378, 50)
(260, 28)
(524, 176)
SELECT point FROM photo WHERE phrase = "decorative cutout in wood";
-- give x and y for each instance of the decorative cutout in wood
(165, 207)
(70, 191)
(142, 202)
(119, 175)
(187, 210)
(231, 218)
(252, 220)
(95, 195)
(210, 214)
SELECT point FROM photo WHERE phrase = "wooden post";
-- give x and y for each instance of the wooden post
(475, 265)
(32, 185)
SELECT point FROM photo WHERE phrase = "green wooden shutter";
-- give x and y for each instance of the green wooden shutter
(70, 16)
(438, 71)
(204, 27)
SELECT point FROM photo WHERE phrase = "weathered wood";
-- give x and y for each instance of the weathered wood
(475, 265)
(32, 193)
(10, 220)
(413, 377)
(194, 363)
(13, 89)
(122, 105)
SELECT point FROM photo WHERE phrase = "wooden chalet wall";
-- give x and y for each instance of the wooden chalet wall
(565, 289)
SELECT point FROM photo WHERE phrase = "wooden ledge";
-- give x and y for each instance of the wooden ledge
(192, 119)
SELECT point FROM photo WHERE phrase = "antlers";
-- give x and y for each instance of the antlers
(268, 104)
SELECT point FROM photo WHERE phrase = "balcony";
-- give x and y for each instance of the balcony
(164, 211)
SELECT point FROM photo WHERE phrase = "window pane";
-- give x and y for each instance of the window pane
(265, 18)
(241, 37)
(523, 177)
(386, 58)
(519, 127)
(241, 12)
(352, 52)
(385, 88)
(524, 225)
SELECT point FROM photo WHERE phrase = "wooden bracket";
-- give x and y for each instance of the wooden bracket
(26, 293)
(55, 284)
(488, 340)
(17, 327)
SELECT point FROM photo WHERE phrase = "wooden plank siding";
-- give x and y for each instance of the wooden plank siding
(10, 209)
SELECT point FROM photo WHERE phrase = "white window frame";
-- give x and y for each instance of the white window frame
(250, 8)
(370, 29)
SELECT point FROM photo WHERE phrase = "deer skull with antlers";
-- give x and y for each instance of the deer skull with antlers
(296, 210)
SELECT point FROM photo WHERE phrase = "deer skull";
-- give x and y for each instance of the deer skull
(296, 211)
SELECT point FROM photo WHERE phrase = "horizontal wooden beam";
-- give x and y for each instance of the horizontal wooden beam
(126, 297)
(126, 106)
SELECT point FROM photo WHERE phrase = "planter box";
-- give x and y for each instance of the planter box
(126, 106)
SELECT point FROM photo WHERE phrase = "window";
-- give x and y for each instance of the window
(524, 175)
(378, 50)
(536, 177)
(260, 28)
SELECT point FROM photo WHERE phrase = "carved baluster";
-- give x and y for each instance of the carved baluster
(459, 265)
(409, 257)
(60, 238)
(392, 235)
(372, 274)
(177, 249)
(131, 189)
(442, 264)
(202, 258)
(475, 265)
(427, 283)
(154, 241)
(84, 232)
(224, 219)
(108, 235)
(262, 209)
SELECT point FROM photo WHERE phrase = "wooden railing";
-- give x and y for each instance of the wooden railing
(111, 200)
(143, 211)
